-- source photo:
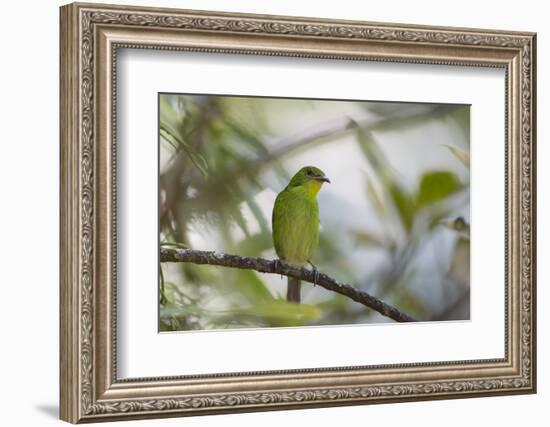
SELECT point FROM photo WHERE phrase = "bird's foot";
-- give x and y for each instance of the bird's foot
(315, 273)
(275, 265)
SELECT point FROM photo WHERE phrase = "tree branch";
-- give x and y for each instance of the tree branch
(279, 267)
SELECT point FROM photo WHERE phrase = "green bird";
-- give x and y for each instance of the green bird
(295, 222)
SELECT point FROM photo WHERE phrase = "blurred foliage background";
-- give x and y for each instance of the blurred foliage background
(400, 180)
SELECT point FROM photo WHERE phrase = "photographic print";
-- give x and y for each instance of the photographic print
(373, 197)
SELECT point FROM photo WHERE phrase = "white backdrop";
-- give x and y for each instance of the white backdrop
(29, 170)
(141, 346)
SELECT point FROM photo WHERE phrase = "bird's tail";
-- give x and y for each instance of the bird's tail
(293, 290)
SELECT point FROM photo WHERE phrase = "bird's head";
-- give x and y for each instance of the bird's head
(309, 177)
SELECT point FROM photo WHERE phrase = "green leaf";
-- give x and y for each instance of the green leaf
(175, 245)
(281, 313)
(366, 238)
(372, 152)
(461, 117)
(403, 204)
(460, 154)
(435, 186)
(408, 302)
(165, 325)
(249, 285)
(173, 138)
(376, 198)
(272, 313)
(167, 111)
(172, 294)
(255, 244)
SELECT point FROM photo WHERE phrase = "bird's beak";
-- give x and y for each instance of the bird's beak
(323, 179)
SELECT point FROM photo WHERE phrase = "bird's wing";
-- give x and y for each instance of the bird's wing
(295, 226)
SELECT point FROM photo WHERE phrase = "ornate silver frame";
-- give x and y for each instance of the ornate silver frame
(90, 36)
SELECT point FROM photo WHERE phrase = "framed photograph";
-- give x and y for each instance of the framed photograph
(266, 212)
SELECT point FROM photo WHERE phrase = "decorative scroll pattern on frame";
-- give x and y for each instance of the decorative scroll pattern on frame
(300, 396)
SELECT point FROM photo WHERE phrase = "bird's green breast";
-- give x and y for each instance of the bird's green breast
(296, 224)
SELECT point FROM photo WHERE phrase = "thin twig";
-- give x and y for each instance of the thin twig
(275, 266)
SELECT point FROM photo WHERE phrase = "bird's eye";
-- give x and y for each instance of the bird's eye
(309, 171)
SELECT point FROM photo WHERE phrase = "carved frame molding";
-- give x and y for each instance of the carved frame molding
(90, 37)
